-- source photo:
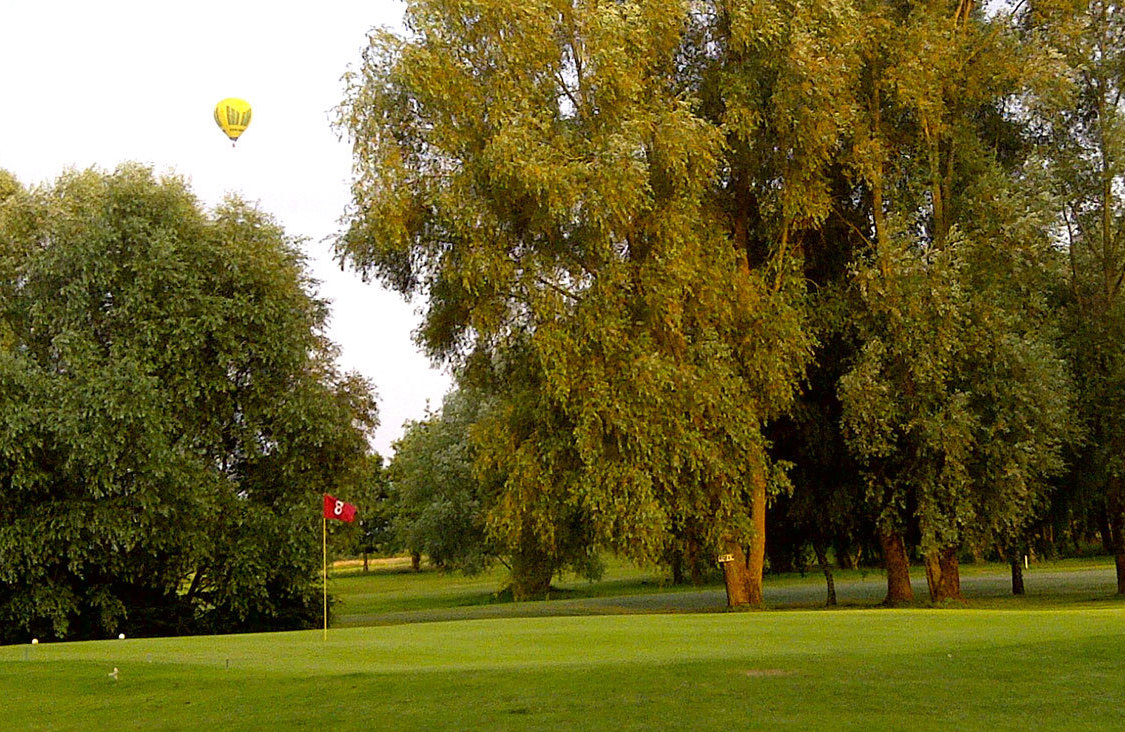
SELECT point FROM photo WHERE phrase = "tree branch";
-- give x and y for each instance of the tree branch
(1071, 243)
(567, 92)
(557, 288)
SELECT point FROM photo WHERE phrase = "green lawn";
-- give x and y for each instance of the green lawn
(862, 669)
(629, 652)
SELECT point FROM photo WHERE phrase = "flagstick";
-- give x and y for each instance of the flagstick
(324, 541)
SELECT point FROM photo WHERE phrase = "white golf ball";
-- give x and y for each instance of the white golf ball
(121, 636)
(34, 641)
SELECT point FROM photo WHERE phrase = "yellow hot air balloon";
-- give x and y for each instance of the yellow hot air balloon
(232, 115)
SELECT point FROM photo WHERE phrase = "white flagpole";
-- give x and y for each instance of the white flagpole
(324, 543)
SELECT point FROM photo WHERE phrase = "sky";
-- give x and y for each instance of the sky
(99, 83)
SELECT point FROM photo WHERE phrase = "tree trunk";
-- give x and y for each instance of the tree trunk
(1119, 561)
(756, 561)
(822, 557)
(1116, 509)
(847, 557)
(933, 573)
(743, 573)
(365, 562)
(1017, 576)
(736, 575)
(677, 562)
(899, 591)
(948, 585)
(1105, 532)
(695, 559)
(532, 570)
(416, 561)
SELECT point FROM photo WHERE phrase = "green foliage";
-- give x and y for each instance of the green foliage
(558, 180)
(958, 403)
(957, 407)
(169, 412)
(370, 491)
(1083, 143)
(636, 223)
(9, 186)
(438, 509)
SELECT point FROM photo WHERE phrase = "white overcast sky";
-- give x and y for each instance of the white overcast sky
(99, 83)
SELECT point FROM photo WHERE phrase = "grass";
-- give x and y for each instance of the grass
(862, 669)
(1054, 660)
(397, 595)
(390, 593)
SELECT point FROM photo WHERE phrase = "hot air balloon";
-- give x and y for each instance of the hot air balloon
(232, 115)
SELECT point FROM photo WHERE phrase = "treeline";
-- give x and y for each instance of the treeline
(170, 412)
(725, 280)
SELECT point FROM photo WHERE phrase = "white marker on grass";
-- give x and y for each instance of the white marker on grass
(34, 641)
(120, 636)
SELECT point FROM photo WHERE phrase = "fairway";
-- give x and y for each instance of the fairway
(1037, 669)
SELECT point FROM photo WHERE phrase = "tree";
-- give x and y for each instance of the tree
(169, 412)
(372, 530)
(9, 186)
(618, 194)
(1083, 135)
(957, 403)
(438, 501)
(826, 507)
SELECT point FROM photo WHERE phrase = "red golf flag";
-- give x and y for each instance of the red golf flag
(337, 509)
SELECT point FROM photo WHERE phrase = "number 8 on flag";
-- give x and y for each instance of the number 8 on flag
(337, 509)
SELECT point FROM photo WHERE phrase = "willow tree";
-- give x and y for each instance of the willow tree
(958, 401)
(776, 78)
(612, 193)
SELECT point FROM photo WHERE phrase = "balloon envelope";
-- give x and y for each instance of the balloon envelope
(232, 115)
